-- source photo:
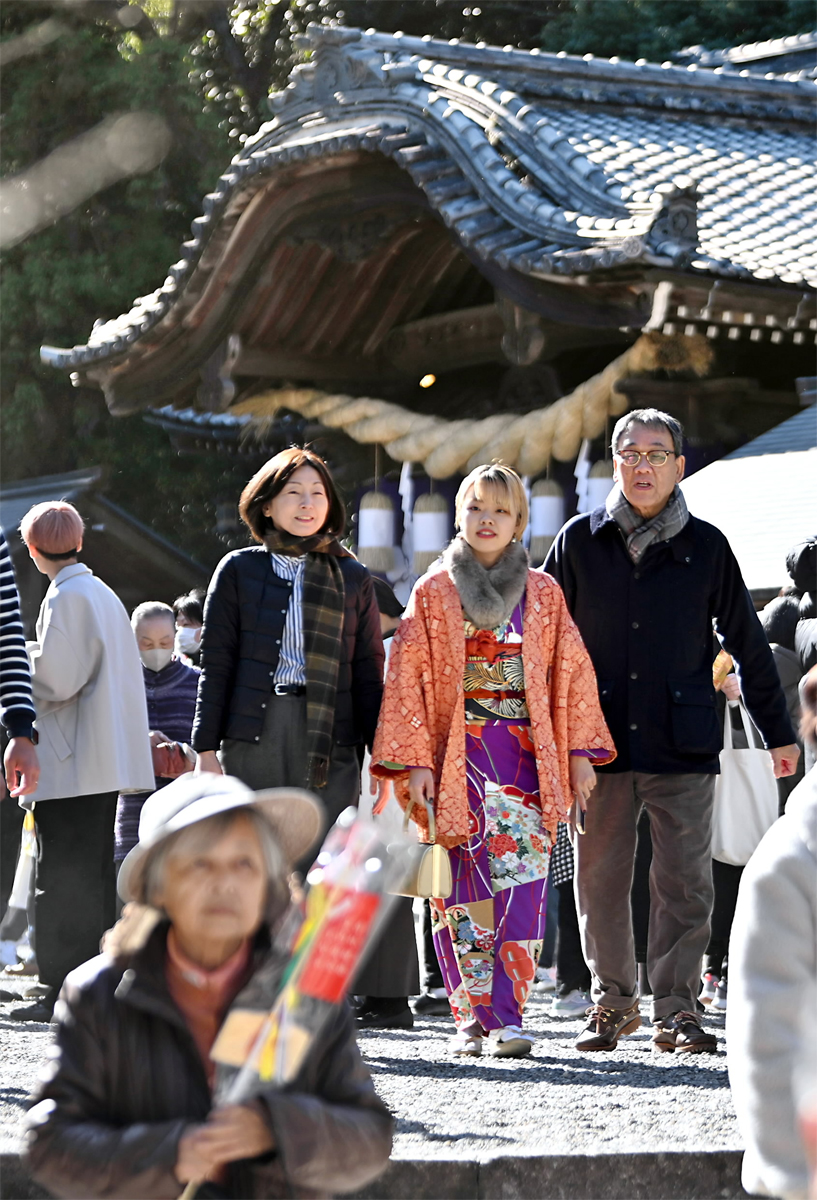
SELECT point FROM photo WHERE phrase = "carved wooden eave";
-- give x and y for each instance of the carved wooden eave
(405, 183)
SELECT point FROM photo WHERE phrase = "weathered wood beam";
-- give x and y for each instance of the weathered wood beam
(282, 364)
(706, 297)
(446, 341)
(470, 336)
(730, 388)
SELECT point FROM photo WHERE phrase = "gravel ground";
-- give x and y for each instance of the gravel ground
(558, 1101)
(22, 1050)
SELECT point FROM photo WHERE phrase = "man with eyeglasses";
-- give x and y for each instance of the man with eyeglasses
(645, 582)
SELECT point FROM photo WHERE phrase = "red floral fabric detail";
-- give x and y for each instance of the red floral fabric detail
(501, 844)
(485, 644)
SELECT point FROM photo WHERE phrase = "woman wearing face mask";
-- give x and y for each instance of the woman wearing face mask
(170, 690)
(292, 653)
(93, 744)
(490, 714)
(189, 613)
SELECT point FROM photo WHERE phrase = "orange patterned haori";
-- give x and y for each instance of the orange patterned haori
(422, 718)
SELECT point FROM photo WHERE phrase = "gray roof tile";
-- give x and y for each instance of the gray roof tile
(595, 166)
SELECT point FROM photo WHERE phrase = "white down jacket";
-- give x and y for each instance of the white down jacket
(773, 997)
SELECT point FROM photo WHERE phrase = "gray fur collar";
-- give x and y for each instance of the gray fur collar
(488, 596)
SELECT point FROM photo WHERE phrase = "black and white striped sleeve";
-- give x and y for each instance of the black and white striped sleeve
(16, 706)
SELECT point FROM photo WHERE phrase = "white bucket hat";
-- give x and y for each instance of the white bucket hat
(295, 816)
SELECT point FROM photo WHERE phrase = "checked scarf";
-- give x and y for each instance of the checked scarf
(639, 533)
(323, 604)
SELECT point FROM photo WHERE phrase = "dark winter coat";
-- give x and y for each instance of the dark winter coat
(648, 629)
(244, 618)
(126, 1079)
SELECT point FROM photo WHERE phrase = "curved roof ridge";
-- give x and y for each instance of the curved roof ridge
(519, 177)
(589, 66)
(752, 51)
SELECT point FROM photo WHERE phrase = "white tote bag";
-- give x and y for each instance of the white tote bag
(745, 797)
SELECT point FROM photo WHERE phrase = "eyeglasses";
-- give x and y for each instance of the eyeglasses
(656, 458)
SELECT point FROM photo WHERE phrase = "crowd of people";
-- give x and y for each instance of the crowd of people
(555, 729)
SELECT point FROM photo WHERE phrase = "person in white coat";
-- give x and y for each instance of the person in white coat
(93, 744)
(773, 994)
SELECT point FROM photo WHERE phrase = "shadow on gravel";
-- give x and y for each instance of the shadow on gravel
(404, 1126)
(15, 1097)
(535, 1070)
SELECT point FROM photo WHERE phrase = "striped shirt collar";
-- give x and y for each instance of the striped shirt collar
(289, 566)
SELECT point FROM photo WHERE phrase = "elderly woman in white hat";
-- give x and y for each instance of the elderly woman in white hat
(124, 1107)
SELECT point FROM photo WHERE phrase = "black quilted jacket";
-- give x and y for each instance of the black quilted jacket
(244, 618)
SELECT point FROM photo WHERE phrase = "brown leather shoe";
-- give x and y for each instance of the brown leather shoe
(681, 1032)
(606, 1025)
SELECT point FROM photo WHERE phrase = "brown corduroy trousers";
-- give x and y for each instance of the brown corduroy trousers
(680, 810)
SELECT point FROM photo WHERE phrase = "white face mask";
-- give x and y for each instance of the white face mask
(187, 641)
(156, 660)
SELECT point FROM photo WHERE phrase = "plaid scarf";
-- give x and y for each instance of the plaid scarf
(639, 533)
(322, 605)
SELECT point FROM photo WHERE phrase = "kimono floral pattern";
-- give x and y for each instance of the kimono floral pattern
(491, 754)
(517, 848)
(500, 671)
(488, 934)
(423, 718)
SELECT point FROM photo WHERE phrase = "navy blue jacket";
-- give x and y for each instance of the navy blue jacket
(171, 697)
(648, 629)
(244, 617)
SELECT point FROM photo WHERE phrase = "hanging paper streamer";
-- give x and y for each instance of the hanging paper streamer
(375, 532)
(547, 507)
(406, 489)
(430, 529)
(582, 473)
(599, 485)
(525, 539)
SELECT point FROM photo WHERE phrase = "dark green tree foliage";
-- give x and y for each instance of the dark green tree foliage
(654, 29)
(241, 53)
(92, 263)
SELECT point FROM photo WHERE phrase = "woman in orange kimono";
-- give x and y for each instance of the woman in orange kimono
(491, 713)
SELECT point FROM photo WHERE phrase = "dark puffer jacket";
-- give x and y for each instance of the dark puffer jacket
(244, 619)
(125, 1080)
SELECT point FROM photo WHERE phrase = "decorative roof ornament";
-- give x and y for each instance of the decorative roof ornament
(341, 62)
(674, 232)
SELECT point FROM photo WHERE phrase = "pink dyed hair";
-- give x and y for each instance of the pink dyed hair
(54, 527)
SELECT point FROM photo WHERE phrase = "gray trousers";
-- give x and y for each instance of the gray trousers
(279, 759)
(680, 809)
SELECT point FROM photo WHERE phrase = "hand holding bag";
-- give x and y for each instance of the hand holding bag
(172, 759)
(745, 797)
(429, 874)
